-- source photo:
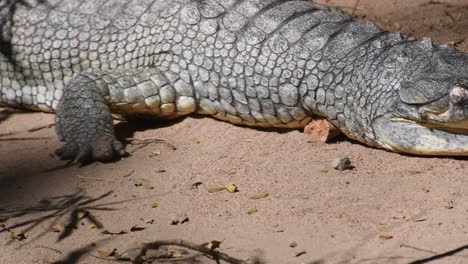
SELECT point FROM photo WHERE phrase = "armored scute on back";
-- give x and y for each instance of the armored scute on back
(250, 62)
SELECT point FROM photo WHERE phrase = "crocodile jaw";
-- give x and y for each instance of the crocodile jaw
(406, 136)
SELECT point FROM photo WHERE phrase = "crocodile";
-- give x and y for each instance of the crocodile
(257, 63)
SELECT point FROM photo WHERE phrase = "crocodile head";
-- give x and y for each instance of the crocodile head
(430, 115)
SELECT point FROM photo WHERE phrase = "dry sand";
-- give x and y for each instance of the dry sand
(390, 208)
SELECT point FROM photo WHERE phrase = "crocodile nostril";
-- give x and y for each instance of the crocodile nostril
(459, 95)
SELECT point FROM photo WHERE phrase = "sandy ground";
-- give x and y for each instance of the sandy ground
(390, 208)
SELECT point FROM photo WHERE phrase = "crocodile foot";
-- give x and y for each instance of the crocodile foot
(97, 150)
(85, 124)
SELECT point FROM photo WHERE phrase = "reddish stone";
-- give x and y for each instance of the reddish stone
(321, 130)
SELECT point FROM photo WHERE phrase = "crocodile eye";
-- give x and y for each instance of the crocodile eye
(459, 95)
(426, 89)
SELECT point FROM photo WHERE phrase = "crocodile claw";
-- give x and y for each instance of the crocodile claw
(100, 150)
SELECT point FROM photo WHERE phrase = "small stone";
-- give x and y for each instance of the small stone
(341, 163)
(321, 130)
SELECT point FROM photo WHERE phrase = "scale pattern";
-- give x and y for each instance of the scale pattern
(269, 63)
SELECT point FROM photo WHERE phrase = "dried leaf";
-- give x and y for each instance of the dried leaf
(107, 253)
(55, 229)
(154, 205)
(195, 140)
(150, 222)
(175, 254)
(17, 235)
(386, 20)
(156, 152)
(80, 214)
(259, 196)
(137, 228)
(212, 245)
(232, 188)
(196, 184)
(94, 222)
(216, 189)
(448, 206)
(129, 174)
(293, 244)
(180, 219)
(184, 220)
(107, 232)
(252, 210)
(300, 253)
(385, 237)
(420, 219)
(248, 140)
(323, 171)
(143, 182)
(456, 42)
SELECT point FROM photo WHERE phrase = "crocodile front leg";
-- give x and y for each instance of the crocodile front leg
(84, 118)
(84, 121)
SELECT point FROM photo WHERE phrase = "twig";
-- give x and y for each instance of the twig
(356, 4)
(142, 143)
(34, 129)
(21, 138)
(105, 259)
(186, 244)
(53, 249)
(418, 249)
(7, 134)
(129, 174)
(4, 228)
(440, 256)
(91, 179)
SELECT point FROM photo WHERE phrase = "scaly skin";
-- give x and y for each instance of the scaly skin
(268, 63)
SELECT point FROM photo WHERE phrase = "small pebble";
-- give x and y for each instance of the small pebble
(341, 163)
